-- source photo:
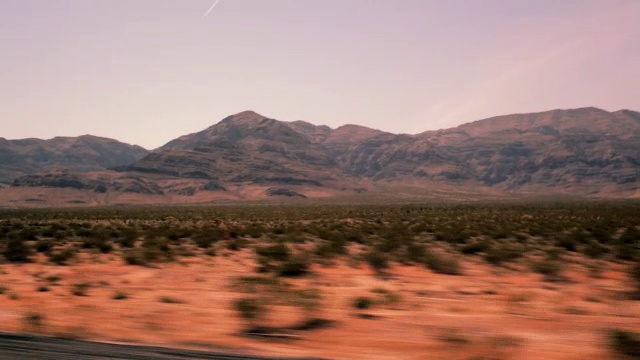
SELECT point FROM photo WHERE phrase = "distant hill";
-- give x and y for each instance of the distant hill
(83, 153)
(583, 152)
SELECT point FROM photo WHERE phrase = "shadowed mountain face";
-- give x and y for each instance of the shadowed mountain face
(580, 151)
(246, 147)
(583, 148)
(586, 147)
(84, 153)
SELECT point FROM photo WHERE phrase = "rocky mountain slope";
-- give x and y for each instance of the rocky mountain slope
(83, 153)
(584, 151)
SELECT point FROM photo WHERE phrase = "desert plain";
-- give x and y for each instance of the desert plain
(439, 281)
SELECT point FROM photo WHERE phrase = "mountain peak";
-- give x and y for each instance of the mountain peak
(246, 116)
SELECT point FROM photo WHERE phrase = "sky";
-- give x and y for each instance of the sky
(147, 71)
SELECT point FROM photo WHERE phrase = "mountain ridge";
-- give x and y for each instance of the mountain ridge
(584, 152)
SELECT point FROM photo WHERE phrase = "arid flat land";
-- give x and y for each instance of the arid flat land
(447, 281)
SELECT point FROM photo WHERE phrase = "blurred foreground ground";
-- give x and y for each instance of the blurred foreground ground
(486, 313)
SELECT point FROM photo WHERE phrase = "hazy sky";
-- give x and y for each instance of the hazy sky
(147, 71)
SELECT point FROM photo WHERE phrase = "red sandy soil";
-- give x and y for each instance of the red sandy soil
(487, 313)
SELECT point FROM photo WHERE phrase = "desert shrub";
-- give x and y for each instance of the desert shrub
(84, 232)
(389, 243)
(377, 259)
(61, 234)
(207, 237)
(169, 300)
(595, 250)
(254, 230)
(17, 251)
(336, 241)
(624, 251)
(44, 245)
(154, 249)
(80, 289)
(475, 247)
(236, 244)
(416, 253)
(455, 336)
(34, 319)
(625, 343)
(497, 255)
(630, 236)
(294, 266)
(277, 252)
(568, 243)
(549, 267)
(175, 234)
(53, 278)
(388, 297)
(452, 236)
(250, 309)
(329, 249)
(27, 234)
(48, 232)
(501, 234)
(142, 256)
(362, 302)
(134, 257)
(442, 263)
(61, 257)
(128, 238)
(603, 235)
(120, 295)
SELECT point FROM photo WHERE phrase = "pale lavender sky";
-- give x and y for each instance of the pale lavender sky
(147, 71)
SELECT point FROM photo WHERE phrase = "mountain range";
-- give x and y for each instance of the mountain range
(577, 152)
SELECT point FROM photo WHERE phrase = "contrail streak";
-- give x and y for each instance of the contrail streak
(211, 8)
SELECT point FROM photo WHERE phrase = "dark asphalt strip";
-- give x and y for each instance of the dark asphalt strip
(28, 347)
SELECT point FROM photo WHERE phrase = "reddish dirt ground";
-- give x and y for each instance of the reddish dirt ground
(486, 313)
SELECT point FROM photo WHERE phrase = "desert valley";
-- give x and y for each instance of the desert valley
(515, 237)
